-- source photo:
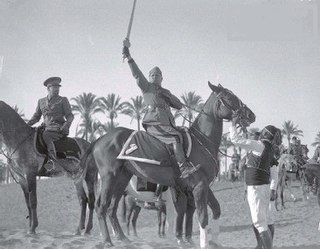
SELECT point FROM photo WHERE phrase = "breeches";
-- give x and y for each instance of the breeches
(169, 135)
(165, 133)
(258, 199)
(49, 137)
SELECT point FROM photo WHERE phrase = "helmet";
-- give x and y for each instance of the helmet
(272, 134)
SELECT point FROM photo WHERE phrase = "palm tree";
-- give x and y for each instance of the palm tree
(192, 104)
(86, 105)
(111, 106)
(135, 109)
(224, 146)
(289, 129)
(316, 140)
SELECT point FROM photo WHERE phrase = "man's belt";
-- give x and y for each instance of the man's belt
(250, 166)
(153, 107)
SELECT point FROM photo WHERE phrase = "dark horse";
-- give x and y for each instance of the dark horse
(25, 162)
(206, 133)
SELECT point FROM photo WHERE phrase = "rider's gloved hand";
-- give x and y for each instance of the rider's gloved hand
(235, 119)
(125, 49)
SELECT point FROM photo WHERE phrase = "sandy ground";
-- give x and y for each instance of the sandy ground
(58, 210)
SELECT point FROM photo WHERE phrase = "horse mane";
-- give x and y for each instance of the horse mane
(8, 114)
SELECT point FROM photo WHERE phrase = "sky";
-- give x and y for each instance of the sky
(267, 52)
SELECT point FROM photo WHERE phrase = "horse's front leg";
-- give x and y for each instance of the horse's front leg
(25, 190)
(32, 189)
(216, 212)
(200, 193)
(180, 205)
(189, 219)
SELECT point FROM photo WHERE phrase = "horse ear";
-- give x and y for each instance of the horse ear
(214, 88)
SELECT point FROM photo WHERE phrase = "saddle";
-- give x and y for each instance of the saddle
(67, 150)
(145, 151)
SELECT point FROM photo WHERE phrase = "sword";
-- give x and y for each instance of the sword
(131, 19)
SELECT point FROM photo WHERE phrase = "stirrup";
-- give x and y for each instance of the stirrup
(49, 166)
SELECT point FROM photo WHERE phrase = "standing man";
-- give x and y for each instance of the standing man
(57, 116)
(158, 120)
(258, 176)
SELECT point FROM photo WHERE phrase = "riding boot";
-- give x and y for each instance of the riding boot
(256, 233)
(186, 167)
(266, 240)
(49, 166)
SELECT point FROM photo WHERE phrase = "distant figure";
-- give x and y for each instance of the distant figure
(57, 117)
(295, 148)
(234, 166)
(235, 158)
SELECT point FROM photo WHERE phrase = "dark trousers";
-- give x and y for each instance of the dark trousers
(49, 137)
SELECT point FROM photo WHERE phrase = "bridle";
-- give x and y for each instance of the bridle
(9, 157)
(219, 99)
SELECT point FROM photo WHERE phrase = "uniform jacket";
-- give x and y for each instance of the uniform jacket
(55, 111)
(157, 99)
(260, 160)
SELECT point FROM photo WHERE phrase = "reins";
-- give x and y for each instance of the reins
(219, 99)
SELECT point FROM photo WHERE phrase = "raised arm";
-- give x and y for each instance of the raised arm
(142, 82)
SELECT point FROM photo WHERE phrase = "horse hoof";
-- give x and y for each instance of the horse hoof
(180, 242)
(108, 244)
(31, 232)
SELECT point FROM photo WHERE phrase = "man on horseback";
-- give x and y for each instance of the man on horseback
(57, 117)
(158, 120)
(258, 177)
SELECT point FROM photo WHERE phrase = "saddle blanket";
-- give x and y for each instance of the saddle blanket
(144, 148)
(151, 158)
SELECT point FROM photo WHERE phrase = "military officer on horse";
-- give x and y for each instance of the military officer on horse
(158, 120)
(57, 117)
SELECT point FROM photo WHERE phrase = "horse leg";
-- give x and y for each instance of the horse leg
(200, 193)
(164, 212)
(189, 218)
(161, 213)
(216, 212)
(26, 197)
(136, 212)
(91, 200)
(282, 196)
(82, 197)
(32, 189)
(131, 210)
(180, 204)
(102, 203)
(123, 179)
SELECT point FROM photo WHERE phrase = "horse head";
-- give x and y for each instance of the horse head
(228, 105)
